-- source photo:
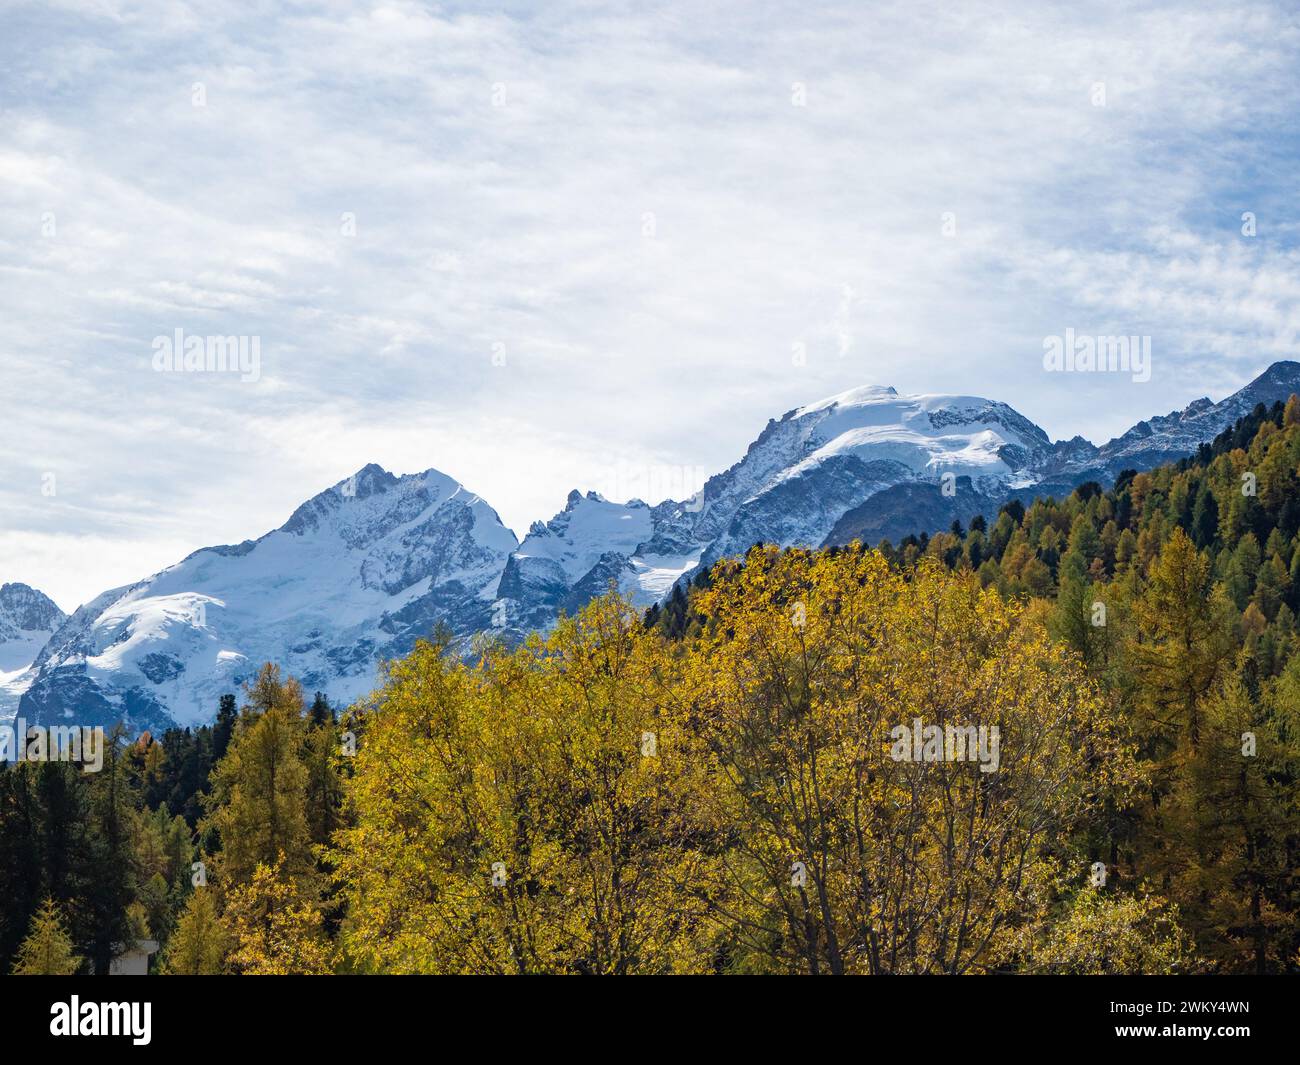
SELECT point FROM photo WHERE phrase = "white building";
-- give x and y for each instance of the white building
(134, 960)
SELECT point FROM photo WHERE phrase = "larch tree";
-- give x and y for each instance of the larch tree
(198, 946)
(1183, 641)
(258, 803)
(274, 930)
(847, 854)
(522, 815)
(47, 950)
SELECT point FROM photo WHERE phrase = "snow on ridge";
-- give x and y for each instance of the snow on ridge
(354, 575)
(363, 568)
(28, 618)
(863, 395)
(929, 434)
(590, 526)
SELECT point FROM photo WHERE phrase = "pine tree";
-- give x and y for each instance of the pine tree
(1071, 619)
(324, 791)
(110, 863)
(21, 880)
(1230, 829)
(224, 728)
(1241, 570)
(1205, 518)
(321, 712)
(47, 950)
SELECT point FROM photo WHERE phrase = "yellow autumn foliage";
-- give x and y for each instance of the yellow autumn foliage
(606, 800)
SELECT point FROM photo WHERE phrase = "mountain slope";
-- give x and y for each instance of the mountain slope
(796, 480)
(28, 619)
(1168, 437)
(868, 464)
(845, 449)
(355, 575)
(897, 511)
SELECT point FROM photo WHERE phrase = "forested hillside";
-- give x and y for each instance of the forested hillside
(718, 786)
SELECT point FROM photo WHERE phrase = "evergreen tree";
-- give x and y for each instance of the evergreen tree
(22, 882)
(111, 862)
(321, 712)
(1231, 823)
(1241, 571)
(324, 789)
(1071, 619)
(224, 728)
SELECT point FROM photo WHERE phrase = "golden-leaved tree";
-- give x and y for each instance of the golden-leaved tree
(523, 815)
(258, 803)
(1116, 934)
(199, 944)
(275, 929)
(47, 950)
(606, 800)
(843, 857)
(258, 809)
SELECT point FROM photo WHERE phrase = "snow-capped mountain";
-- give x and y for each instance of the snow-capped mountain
(819, 461)
(556, 555)
(919, 507)
(796, 480)
(355, 575)
(867, 464)
(1169, 437)
(28, 619)
(362, 570)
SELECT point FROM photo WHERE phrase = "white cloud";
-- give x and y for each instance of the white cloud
(631, 204)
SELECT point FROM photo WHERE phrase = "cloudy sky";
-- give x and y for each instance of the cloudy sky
(541, 247)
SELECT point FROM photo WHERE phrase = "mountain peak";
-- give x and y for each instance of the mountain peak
(1283, 374)
(28, 619)
(853, 397)
(372, 482)
(1283, 367)
(23, 607)
(367, 481)
(358, 574)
